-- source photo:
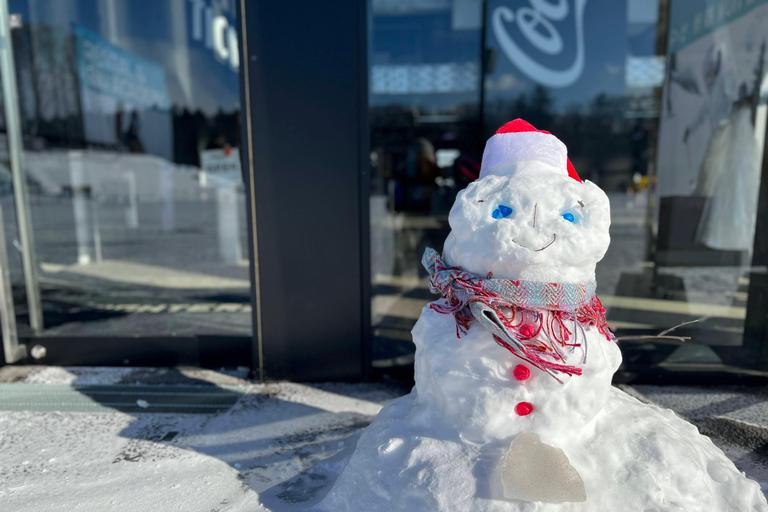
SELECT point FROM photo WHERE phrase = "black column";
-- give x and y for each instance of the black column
(756, 322)
(304, 69)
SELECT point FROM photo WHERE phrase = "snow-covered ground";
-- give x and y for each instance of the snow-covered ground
(279, 447)
(257, 455)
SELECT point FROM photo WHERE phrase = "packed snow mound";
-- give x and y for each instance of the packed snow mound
(633, 458)
(511, 247)
(443, 446)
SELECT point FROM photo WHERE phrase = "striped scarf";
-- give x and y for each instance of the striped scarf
(528, 318)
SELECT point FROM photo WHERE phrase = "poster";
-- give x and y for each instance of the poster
(712, 122)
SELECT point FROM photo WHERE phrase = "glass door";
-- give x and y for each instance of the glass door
(129, 245)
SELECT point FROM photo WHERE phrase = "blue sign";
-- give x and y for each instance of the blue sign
(105, 69)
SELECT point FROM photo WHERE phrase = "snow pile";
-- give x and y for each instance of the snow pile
(443, 450)
(634, 458)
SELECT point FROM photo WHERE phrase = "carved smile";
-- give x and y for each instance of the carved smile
(554, 237)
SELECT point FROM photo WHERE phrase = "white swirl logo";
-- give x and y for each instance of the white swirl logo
(535, 24)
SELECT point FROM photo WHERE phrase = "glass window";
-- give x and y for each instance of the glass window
(131, 123)
(425, 147)
(662, 104)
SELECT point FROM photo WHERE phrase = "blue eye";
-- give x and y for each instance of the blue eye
(569, 217)
(502, 212)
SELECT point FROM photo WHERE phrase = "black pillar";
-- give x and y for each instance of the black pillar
(756, 322)
(304, 101)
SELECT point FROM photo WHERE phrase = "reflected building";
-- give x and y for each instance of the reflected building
(133, 235)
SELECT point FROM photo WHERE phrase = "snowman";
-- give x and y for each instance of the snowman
(513, 408)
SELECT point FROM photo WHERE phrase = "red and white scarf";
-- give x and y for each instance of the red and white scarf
(528, 318)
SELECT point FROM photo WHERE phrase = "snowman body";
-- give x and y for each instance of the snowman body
(472, 373)
(450, 444)
(470, 383)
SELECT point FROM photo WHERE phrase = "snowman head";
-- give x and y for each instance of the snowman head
(529, 216)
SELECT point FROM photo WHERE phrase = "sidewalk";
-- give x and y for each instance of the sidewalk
(120, 439)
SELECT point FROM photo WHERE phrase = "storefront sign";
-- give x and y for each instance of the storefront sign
(218, 32)
(537, 24)
(221, 165)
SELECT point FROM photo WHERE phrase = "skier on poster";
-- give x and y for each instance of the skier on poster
(513, 408)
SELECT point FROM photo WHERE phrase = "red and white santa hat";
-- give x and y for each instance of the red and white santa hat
(517, 142)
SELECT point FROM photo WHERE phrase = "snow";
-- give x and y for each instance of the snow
(101, 375)
(280, 448)
(262, 454)
(78, 462)
(479, 243)
(631, 456)
(440, 448)
(81, 376)
(443, 446)
(468, 382)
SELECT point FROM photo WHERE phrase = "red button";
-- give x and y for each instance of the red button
(527, 330)
(521, 372)
(524, 408)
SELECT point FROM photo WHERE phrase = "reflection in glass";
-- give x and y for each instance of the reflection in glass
(424, 99)
(131, 128)
(662, 104)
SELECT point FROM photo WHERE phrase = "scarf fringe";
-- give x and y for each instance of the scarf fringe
(539, 336)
